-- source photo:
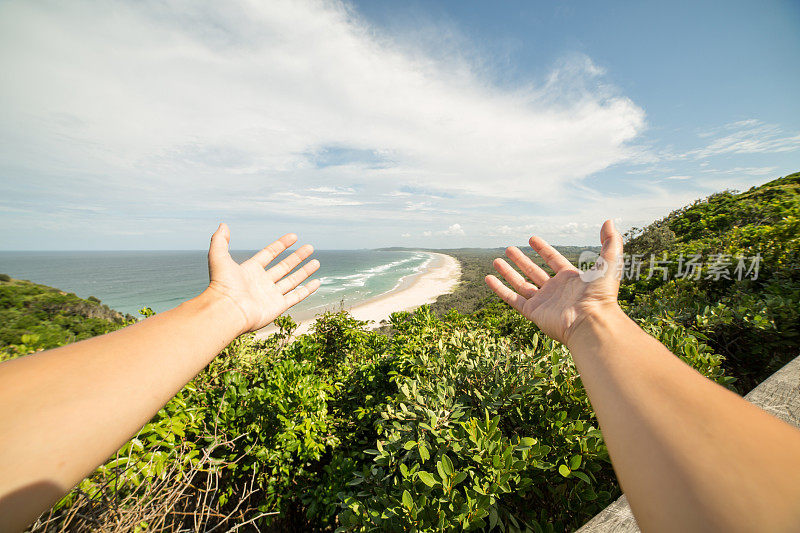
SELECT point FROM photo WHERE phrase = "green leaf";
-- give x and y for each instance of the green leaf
(408, 501)
(581, 476)
(447, 465)
(427, 478)
(575, 462)
(492, 518)
(424, 454)
(440, 469)
(410, 444)
(459, 477)
(564, 470)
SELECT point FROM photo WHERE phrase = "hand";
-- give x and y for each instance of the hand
(559, 305)
(261, 296)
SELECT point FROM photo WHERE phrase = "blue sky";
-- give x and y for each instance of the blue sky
(378, 123)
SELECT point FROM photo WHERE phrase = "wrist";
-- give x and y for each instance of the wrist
(224, 311)
(597, 323)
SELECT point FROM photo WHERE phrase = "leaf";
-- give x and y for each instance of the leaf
(564, 470)
(575, 462)
(581, 476)
(424, 454)
(440, 469)
(427, 478)
(492, 518)
(459, 477)
(408, 501)
(410, 444)
(447, 465)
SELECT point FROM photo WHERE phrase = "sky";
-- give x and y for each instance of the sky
(142, 125)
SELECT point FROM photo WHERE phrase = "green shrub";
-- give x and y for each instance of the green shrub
(753, 323)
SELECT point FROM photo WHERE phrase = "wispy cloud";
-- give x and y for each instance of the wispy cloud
(750, 136)
(315, 201)
(332, 190)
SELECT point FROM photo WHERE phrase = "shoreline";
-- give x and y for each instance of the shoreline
(439, 277)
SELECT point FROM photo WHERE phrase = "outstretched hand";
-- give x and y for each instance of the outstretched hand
(260, 295)
(560, 304)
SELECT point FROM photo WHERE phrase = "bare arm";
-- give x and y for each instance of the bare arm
(64, 411)
(690, 455)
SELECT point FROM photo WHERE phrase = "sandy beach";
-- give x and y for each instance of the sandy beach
(439, 277)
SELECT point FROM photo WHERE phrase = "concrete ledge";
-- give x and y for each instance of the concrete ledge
(779, 395)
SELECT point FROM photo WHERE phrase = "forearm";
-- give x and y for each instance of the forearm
(689, 454)
(65, 411)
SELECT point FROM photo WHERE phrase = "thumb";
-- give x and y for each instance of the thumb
(611, 240)
(218, 250)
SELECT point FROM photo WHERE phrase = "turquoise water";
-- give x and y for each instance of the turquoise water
(129, 280)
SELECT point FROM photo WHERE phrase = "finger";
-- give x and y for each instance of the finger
(507, 295)
(297, 277)
(287, 265)
(301, 293)
(520, 284)
(531, 269)
(611, 250)
(266, 255)
(611, 241)
(551, 256)
(218, 249)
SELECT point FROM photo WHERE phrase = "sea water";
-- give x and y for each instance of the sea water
(129, 280)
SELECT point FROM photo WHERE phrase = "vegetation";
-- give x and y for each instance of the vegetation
(35, 317)
(459, 422)
(463, 416)
(753, 323)
(472, 294)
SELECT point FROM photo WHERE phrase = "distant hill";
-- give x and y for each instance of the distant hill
(36, 317)
(566, 250)
(754, 323)
(725, 219)
(472, 293)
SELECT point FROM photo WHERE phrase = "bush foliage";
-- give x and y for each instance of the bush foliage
(453, 422)
(36, 317)
(753, 323)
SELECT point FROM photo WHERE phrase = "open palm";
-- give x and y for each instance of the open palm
(560, 303)
(261, 295)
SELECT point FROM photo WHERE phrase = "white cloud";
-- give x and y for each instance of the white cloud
(678, 178)
(427, 233)
(418, 206)
(332, 190)
(453, 229)
(553, 229)
(405, 235)
(314, 201)
(747, 137)
(200, 94)
(747, 171)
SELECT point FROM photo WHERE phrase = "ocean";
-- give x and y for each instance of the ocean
(129, 280)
